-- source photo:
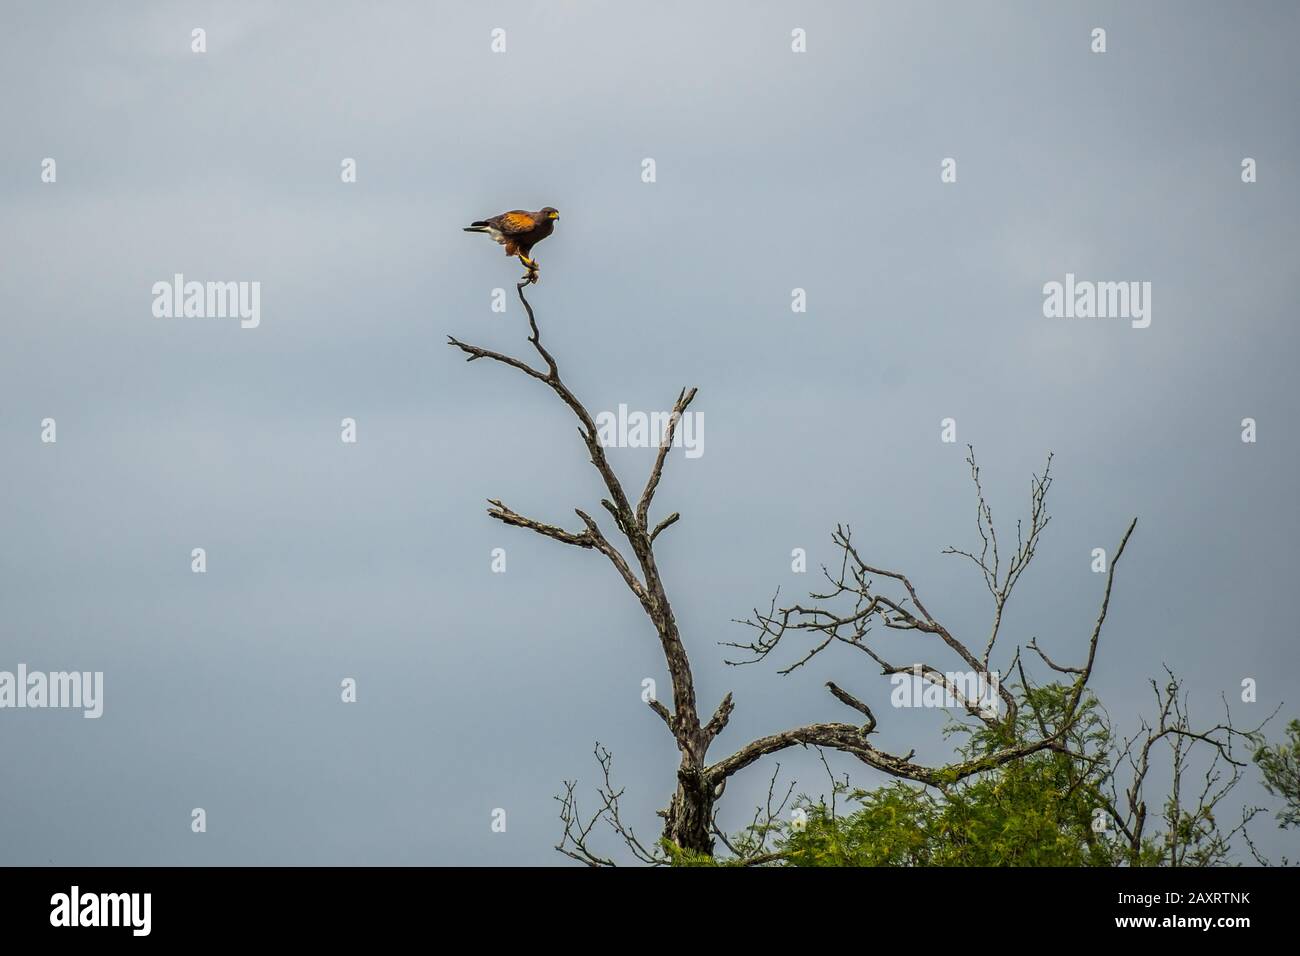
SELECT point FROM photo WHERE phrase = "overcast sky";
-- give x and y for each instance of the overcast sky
(774, 171)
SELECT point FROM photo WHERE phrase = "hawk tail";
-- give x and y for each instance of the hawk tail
(478, 226)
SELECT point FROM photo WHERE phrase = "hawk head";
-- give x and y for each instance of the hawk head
(550, 212)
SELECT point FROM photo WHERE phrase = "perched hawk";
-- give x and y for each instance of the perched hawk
(519, 231)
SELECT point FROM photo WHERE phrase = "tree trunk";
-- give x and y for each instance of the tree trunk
(689, 819)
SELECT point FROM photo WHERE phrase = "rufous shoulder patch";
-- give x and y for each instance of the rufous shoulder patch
(518, 222)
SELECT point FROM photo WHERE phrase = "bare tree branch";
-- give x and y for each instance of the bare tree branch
(577, 831)
(688, 814)
(1191, 835)
(684, 399)
(505, 515)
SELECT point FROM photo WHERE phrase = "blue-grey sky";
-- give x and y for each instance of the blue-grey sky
(775, 171)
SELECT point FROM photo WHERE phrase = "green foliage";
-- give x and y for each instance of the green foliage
(679, 857)
(1037, 811)
(1280, 765)
(1041, 809)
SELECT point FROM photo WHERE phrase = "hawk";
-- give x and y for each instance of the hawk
(519, 230)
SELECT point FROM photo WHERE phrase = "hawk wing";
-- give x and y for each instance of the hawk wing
(515, 222)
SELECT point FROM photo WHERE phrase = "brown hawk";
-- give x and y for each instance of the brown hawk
(519, 230)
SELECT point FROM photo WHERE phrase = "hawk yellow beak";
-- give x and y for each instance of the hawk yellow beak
(555, 215)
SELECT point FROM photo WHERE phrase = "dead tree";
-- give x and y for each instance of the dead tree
(689, 820)
(1191, 835)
